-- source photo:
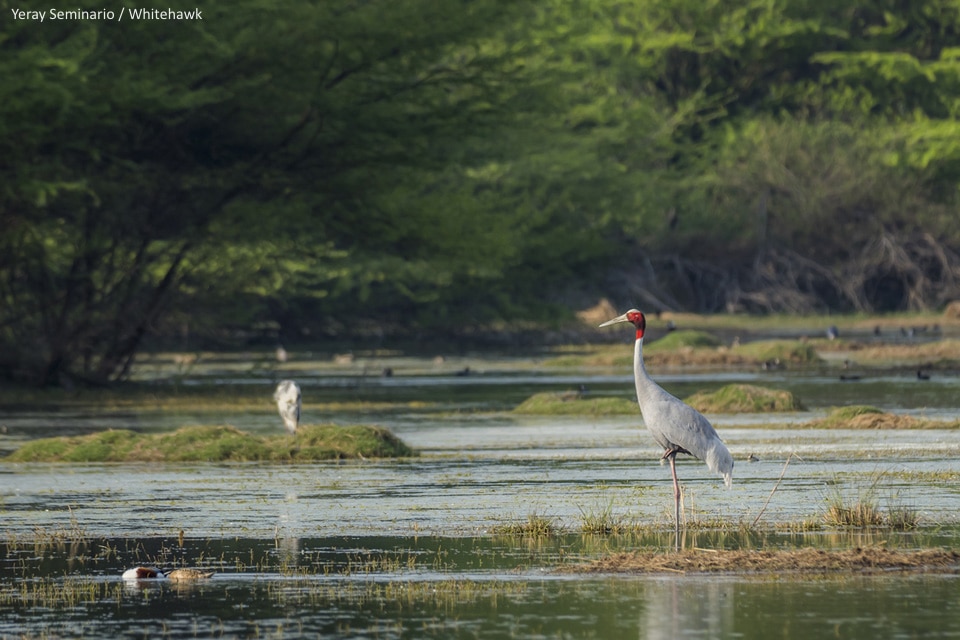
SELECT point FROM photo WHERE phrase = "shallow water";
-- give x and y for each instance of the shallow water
(594, 607)
(460, 587)
(449, 587)
(407, 548)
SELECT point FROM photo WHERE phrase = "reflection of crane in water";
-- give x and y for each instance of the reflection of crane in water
(676, 426)
(287, 397)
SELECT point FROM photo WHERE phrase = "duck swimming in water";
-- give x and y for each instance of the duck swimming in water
(176, 575)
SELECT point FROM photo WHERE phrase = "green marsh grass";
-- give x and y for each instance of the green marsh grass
(602, 522)
(860, 508)
(901, 517)
(859, 513)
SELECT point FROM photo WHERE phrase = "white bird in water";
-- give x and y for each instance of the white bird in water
(176, 575)
(287, 397)
(676, 426)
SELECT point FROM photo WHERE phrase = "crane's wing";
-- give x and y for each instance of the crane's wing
(676, 424)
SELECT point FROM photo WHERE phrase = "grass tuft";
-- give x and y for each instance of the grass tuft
(603, 522)
(535, 526)
(863, 511)
(860, 514)
(903, 518)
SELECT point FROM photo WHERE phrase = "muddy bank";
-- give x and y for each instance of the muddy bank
(809, 560)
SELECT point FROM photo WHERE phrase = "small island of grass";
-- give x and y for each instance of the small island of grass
(217, 444)
(575, 404)
(744, 398)
(867, 417)
(689, 339)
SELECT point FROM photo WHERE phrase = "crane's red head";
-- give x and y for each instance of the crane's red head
(634, 317)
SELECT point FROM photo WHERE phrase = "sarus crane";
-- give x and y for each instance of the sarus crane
(675, 425)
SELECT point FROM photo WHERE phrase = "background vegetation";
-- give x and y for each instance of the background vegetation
(338, 168)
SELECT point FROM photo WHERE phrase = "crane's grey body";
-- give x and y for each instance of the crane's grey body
(287, 397)
(676, 425)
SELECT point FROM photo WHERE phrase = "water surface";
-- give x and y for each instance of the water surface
(410, 548)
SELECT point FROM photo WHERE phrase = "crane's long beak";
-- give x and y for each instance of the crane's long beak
(622, 318)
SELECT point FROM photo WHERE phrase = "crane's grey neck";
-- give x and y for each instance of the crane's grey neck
(646, 387)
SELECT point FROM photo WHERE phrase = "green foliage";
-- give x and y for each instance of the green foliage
(217, 444)
(159, 164)
(453, 166)
(744, 398)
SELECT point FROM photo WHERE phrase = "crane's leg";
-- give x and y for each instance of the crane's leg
(671, 456)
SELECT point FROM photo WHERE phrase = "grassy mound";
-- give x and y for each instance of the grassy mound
(744, 398)
(568, 404)
(216, 444)
(779, 350)
(866, 417)
(684, 340)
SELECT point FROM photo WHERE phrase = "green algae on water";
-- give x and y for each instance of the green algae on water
(218, 443)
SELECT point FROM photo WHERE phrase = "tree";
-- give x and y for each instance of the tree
(144, 159)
